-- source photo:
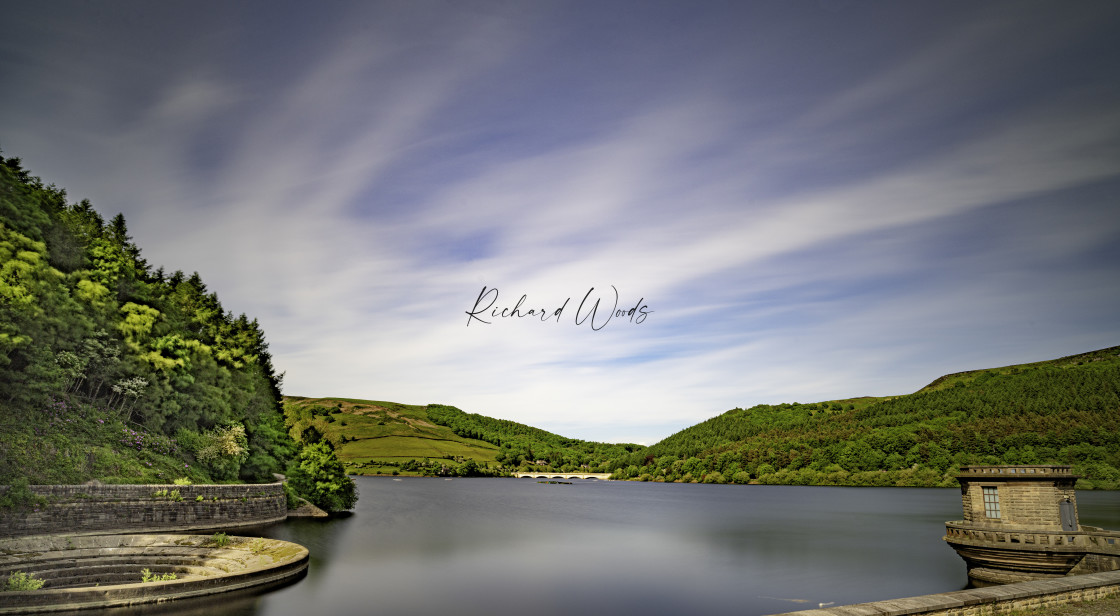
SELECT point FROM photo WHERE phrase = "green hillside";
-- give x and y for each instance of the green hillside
(116, 371)
(1064, 411)
(113, 370)
(958, 379)
(381, 438)
(375, 437)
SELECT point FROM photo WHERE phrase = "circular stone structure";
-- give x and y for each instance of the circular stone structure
(97, 571)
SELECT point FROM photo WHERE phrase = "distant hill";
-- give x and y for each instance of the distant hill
(376, 437)
(1069, 361)
(1063, 411)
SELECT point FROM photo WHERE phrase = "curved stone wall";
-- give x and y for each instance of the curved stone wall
(77, 509)
(97, 571)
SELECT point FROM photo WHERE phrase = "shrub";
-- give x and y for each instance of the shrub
(321, 478)
(220, 539)
(19, 495)
(182, 481)
(222, 450)
(146, 575)
(19, 580)
(292, 498)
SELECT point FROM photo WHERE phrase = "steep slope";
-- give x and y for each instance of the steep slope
(1060, 411)
(113, 370)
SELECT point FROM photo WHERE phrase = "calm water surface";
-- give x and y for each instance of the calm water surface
(504, 546)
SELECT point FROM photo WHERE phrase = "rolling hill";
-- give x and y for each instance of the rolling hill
(1061, 411)
(380, 438)
(375, 437)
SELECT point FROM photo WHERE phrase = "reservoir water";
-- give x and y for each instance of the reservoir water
(497, 547)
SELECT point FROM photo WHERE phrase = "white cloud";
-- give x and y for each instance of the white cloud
(776, 268)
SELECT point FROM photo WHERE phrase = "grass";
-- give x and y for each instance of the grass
(379, 432)
(968, 376)
(406, 448)
(71, 443)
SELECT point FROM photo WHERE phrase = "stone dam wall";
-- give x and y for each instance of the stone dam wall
(99, 509)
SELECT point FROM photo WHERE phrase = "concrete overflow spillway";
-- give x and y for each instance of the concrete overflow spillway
(82, 542)
(99, 571)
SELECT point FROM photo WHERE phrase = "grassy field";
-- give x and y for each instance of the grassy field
(1070, 361)
(370, 433)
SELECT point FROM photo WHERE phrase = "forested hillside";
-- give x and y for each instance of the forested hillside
(113, 370)
(524, 446)
(381, 438)
(1064, 411)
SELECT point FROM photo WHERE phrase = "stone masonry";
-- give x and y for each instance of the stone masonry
(1029, 496)
(1007, 599)
(78, 509)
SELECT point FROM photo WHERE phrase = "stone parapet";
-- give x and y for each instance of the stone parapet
(99, 508)
(1004, 599)
(1039, 471)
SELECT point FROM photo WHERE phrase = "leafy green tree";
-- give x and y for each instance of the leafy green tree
(320, 477)
(84, 320)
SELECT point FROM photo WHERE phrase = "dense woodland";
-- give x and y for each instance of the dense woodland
(113, 370)
(1064, 411)
(525, 446)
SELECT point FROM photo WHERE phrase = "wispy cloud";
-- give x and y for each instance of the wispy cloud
(803, 226)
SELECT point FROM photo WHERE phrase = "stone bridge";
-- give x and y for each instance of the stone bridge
(558, 475)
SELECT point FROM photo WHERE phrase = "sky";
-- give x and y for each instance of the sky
(770, 201)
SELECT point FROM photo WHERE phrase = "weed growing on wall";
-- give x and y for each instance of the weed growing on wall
(146, 575)
(18, 580)
(18, 495)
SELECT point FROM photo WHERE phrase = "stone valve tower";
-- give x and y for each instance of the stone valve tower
(1020, 523)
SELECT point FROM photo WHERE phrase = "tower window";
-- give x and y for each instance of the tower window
(991, 502)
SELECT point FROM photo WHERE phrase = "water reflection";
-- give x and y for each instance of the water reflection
(499, 546)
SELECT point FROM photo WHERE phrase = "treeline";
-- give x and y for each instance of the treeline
(524, 446)
(460, 467)
(112, 369)
(1061, 412)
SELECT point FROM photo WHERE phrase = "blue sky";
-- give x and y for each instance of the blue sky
(812, 200)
